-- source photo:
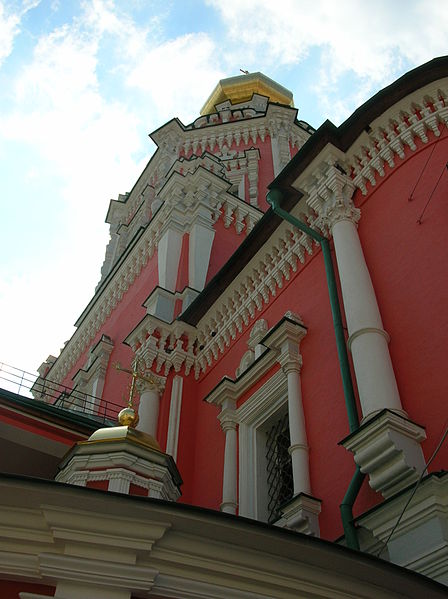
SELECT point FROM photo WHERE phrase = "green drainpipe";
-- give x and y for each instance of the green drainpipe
(274, 197)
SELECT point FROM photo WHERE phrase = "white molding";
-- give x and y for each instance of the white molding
(162, 184)
(127, 462)
(391, 134)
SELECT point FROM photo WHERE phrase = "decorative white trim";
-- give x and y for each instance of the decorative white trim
(123, 462)
(421, 113)
(209, 192)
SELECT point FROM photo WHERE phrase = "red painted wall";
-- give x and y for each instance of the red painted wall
(408, 262)
(10, 589)
(225, 243)
(102, 485)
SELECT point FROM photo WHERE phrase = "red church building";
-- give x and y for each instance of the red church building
(273, 306)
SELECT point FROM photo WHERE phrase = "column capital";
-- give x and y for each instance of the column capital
(331, 197)
(290, 362)
(228, 420)
(154, 382)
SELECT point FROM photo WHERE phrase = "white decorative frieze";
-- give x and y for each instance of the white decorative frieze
(418, 116)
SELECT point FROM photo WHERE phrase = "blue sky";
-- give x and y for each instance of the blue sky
(83, 83)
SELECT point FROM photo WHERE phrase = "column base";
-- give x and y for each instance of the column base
(420, 541)
(228, 507)
(301, 514)
(387, 448)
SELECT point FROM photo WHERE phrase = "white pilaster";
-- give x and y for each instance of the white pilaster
(174, 417)
(275, 155)
(168, 257)
(200, 247)
(229, 480)
(387, 445)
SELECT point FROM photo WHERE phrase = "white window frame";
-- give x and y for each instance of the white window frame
(254, 417)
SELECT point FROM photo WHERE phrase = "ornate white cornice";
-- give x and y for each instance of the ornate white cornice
(421, 115)
(179, 344)
(183, 197)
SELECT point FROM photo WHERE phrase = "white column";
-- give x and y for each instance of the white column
(285, 339)
(368, 341)
(148, 410)
(229, 479)
(297, 432)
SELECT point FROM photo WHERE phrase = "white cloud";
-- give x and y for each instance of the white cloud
(10, 26)
(177, 75)
(94, 139)
(373, 41)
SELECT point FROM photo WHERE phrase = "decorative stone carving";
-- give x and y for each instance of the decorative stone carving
(247, 359)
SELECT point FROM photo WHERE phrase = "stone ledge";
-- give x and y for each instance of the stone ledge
(301, 514)
(420, 541)
(387, 448)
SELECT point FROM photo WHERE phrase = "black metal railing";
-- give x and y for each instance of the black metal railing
(279, 467)
(66, 398)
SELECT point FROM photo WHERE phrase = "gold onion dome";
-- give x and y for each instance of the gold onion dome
(242, 87)
(128, 417)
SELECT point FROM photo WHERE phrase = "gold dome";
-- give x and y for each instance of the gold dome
(128, 417)
(241, 89)
(118, 434)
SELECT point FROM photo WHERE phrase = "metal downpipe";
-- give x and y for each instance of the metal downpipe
(274, 197)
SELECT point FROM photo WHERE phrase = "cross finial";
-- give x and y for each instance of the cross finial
(137, 372)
